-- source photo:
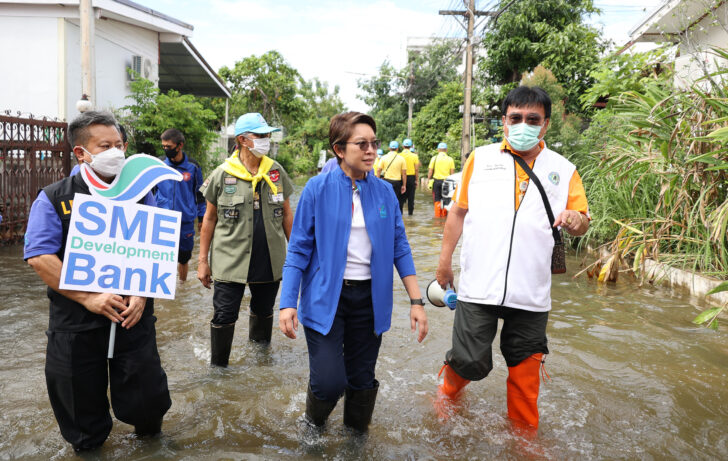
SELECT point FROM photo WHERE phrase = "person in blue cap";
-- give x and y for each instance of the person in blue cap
(413, 168)
(244, 232)
(393, 169)
(441, 166)
(183, 196)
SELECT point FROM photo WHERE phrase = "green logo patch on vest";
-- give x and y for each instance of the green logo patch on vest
(554, 178)
(230, 189)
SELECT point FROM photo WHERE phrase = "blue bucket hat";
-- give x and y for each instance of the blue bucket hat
(442, 145)
(253, 122)
(407, 143)
(394, 145)
(380, 152)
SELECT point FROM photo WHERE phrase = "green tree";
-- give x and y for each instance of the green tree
(548, 32)
(299, 151)
(268, 85)
(620, 73)
(389, 93)
(432, 123)
(152, 112)
(385, 95)
(564, 130)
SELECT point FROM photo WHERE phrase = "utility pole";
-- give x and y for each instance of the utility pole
(411, 100)
(88, 68)
(470, 14)
(465, 150)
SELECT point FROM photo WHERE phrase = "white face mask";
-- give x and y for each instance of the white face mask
(261, 146)
(108, 162)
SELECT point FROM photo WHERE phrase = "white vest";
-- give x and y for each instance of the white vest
(505, 257)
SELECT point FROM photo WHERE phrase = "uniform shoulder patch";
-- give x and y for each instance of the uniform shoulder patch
(274, 175)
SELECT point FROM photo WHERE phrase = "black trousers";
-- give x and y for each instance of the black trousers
(228, 295)
(523, 334)
(397, 186)
(78, 374)
(410, 193)
(437, 190)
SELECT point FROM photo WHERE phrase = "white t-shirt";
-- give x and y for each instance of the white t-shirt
(359, 248)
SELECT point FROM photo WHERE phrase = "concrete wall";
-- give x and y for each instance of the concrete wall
(29, 51)
(115, 44)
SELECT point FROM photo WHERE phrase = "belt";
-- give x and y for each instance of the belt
(357, 283)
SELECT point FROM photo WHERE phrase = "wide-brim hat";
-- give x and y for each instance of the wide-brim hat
(253, 122)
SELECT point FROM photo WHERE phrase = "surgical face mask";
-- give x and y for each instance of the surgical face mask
(522, 136)
(108, 162)
(261, 146)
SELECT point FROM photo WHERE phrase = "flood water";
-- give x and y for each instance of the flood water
(632, 378)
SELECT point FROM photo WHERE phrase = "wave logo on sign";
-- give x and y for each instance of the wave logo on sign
(138, 176)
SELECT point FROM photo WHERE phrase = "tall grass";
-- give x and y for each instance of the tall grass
(660, 183)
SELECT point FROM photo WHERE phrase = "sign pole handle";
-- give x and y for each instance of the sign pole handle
(112, 340)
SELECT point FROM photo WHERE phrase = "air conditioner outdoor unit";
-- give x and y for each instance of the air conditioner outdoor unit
(141, 66)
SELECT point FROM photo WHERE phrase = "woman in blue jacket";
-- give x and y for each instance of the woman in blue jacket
(347, 234)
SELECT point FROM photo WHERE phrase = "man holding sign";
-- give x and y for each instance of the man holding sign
(77, 370)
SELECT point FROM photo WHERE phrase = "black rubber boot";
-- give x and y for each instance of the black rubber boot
(317, 411)
(359, 406)
(260, 328)
(148, 428)
(221, 340)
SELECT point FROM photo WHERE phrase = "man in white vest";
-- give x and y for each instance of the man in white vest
(505, 262)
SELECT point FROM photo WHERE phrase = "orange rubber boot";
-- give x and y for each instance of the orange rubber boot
(449, 392)
(437, 209)
(443, 211)
(523, 383)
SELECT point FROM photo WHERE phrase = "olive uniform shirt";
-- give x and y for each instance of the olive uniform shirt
(232, 240)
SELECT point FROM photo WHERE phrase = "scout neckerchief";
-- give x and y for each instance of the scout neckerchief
(233, 166)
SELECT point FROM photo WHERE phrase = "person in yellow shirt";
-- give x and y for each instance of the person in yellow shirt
(377, 162)
(393, 169)
(413, 167)
(441, 166)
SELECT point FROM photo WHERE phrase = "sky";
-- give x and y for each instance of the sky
(341, 41)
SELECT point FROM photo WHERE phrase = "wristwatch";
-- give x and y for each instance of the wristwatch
(417, 302)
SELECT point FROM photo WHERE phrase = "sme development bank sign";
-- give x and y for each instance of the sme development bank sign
(116, 245)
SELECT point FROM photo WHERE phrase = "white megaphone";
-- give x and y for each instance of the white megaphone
(439, 297)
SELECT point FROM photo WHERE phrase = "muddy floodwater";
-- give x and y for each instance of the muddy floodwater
(631, 378)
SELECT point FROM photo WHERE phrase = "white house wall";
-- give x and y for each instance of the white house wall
(29, 81)
(695, 56)
(115, 44)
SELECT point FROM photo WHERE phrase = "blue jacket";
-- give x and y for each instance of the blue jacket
(316, 256)
(185, 195)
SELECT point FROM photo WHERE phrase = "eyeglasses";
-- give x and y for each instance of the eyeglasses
(364, 145)
(534, 120)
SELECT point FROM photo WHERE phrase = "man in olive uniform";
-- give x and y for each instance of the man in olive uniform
(246, 225)
(77, 370)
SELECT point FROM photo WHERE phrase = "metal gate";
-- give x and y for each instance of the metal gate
(33, 154)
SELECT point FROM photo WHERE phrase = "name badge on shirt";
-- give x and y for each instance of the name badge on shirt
(277, 198)
(231, 181)
(231, 213)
